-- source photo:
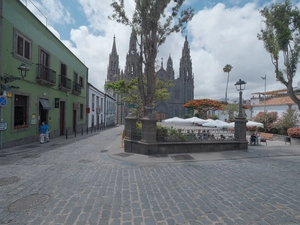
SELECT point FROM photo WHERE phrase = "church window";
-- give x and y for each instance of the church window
(177, 94)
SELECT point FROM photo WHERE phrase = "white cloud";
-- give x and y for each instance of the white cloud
(217, 35)
(229, 36)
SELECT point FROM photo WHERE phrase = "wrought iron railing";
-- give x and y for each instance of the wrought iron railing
(46, 74)
(65, 82)
(76, 88)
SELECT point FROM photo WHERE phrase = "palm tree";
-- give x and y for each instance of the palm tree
(227, 69)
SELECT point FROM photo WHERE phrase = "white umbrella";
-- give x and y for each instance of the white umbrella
(174, 120)
(250, 124)
(217, 124)
(195, 120)
(254, 124)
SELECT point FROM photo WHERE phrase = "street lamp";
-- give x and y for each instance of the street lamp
(23, 70)
(240, 86)
(240, 120)
(265, 78)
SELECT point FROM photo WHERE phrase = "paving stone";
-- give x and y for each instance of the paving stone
(88, 187)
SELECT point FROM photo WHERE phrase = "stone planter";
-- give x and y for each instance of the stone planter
(295, 141)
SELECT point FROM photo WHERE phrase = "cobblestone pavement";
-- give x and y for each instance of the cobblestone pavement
(78, 183)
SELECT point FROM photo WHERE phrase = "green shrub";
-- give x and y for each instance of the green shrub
(260, 129)
(214, 117)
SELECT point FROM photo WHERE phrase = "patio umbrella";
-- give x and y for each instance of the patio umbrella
(195, 120)
(174, 120)
(217, 124)
(251, 124)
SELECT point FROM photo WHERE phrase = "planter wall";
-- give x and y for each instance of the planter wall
(140, 147)
(295, 141)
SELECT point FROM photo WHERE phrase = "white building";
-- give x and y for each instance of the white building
(95, 110)
(109, 110)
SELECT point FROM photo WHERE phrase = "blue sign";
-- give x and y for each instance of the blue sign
(3, 101)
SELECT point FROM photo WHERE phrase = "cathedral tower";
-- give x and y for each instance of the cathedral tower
(113, 70)
(132, 59)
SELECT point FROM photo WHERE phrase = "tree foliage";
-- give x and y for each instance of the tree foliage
(203, 106)
(130, 93)
(288, 120)
(229, 110)
(152, 24)
(281, 35)
(266, 118)
(227, 70)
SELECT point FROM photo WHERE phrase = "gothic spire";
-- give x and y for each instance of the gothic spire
(114, 48)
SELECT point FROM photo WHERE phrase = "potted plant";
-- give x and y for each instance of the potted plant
(294, 133)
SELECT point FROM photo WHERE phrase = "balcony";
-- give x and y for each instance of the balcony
(76, 89)
(45, 76)
(64, 84)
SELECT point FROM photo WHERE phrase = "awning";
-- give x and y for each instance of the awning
(45, 104)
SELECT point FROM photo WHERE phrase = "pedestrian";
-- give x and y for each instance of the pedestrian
(44, 133)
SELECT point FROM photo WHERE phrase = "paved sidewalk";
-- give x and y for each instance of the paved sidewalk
(89, 180)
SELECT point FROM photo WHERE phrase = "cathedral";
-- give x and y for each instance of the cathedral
(181, 92)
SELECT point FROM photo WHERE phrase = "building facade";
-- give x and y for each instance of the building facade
(96, 109)
(101, 109)
(41, 79)
(181, 91)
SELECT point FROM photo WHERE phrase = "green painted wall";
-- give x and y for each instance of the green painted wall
(16, 17)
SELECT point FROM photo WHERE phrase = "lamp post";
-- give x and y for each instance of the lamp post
(23, 70)
(265, 78)
(240, 120)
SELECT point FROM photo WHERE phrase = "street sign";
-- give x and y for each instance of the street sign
(3, 126)
(131, 105)
(3, 101)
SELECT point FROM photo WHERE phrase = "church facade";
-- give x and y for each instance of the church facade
(181, 91)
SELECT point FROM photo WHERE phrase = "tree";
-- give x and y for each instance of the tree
(266, 118)
(229, 110)
(152, 24)
(203, 106)
(130, 94)
(227, 70)
(282, 35)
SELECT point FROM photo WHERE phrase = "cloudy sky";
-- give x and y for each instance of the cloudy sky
(221, 32)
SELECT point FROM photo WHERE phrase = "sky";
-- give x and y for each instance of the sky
(221, 32)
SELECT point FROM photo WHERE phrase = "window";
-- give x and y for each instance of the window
(20, 112)
(93, 102)
(81, 82)
(177, 94)
(75, 79)
(22, 46)
(81, 112)
(63, 69)
(97, 102)
(44, 58)
(101, 105)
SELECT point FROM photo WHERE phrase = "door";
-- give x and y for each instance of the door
(62, 118)
(74, 119)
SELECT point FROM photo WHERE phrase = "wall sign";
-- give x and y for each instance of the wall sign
(56, 103)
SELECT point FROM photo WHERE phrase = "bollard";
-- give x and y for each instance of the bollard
(75, 133)
(66, 133)
(123, 136)
(87, 130)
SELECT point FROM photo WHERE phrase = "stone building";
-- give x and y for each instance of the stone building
(181, 91)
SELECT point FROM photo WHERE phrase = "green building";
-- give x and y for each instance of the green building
(41, 79)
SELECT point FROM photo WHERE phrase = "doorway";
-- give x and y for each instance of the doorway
(62, 118)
